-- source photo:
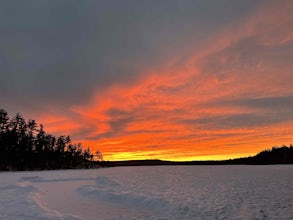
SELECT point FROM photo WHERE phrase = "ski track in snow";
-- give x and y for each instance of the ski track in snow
(149, 193)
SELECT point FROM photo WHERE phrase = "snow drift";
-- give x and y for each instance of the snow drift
(149, 193)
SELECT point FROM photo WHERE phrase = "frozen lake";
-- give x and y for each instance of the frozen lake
(150, 193)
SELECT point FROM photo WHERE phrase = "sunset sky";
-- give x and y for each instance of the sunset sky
(138, 79)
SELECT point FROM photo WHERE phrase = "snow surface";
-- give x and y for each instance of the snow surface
(149, 193)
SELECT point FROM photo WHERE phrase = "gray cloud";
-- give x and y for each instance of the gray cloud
(269, 104)
(265, 111)
(233, 121)
(276, 103)
(59, 52)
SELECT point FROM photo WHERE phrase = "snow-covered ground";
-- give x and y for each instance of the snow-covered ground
(151, 193)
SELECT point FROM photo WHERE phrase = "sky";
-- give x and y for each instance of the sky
(171, 80)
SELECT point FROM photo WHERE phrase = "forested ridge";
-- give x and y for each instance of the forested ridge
(25, 145)
(275, 155)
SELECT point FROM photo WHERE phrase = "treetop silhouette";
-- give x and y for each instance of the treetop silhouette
(27, 146)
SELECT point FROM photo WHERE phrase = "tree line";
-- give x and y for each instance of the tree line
(24, 145)
(276, 155)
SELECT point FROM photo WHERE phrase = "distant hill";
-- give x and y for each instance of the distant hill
(277, 155)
